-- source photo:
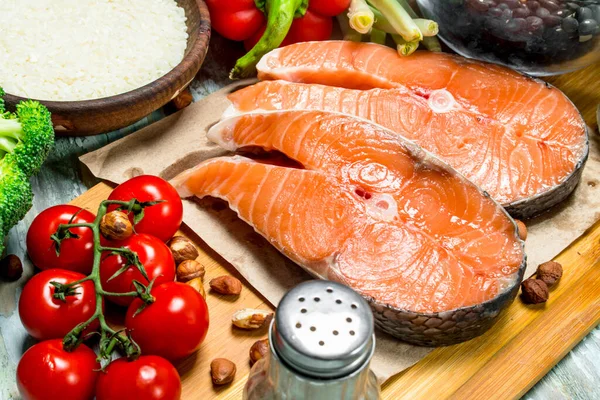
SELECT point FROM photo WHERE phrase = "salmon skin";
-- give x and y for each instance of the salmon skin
(373, 211)
(519, 138)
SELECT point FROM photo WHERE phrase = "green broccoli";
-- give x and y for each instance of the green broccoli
(15, 193)
(26, 138)
(28, 134)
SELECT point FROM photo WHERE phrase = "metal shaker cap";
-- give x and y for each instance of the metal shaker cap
(323, 329)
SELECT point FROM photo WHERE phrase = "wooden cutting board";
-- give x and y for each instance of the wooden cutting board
(504, 363)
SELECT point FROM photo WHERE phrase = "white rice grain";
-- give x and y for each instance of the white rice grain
(87, 49)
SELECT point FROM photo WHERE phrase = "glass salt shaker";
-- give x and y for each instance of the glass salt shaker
(321, 344)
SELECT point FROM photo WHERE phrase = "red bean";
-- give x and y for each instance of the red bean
(550, 5)
(521, 12)
(542, 12)
(534, 23)
(512, 3)
(516, 25)
(480, 5)
(495, 12)
(552, 20)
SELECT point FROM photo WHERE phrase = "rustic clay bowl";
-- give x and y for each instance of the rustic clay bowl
(90, 117)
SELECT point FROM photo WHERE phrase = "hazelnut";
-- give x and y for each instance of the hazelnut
(226, 285)
(259, 350)
(11, 268)
(190, 269)
(198, 284)
(534, 291)
(182, 249)
(116, 226)
(183, 99)
(521, 229)
(222, 371)
(549, 272)
(250, 318)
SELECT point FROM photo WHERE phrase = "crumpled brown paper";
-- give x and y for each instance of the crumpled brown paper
(178, 142)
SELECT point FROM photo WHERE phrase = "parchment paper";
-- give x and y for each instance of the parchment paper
(178, 142)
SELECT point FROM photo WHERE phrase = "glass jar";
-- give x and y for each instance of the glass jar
(321, 344)
(537, 37)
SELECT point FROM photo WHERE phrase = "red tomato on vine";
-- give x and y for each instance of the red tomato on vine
(45, 317)
(47, 372)
(160, 220)
(76, 251)
(173, 326)
(147, 378)
(153, 254)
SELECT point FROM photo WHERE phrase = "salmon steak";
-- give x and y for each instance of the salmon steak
(436, 257)
(518, 138)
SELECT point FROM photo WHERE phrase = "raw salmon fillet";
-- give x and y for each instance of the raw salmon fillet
(516, 137)
(368, 209)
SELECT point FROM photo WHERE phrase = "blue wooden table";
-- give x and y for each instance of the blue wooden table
(577, 376)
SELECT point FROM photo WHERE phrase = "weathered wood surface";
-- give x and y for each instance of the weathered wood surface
(577, 376)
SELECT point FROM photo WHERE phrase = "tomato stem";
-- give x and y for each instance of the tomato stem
(126, 294)
(109, 338)
(65, 227)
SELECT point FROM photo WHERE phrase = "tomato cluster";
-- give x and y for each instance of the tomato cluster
(170, 327)
(241, 20)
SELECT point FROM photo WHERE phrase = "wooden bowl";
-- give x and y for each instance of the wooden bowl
(90, 117)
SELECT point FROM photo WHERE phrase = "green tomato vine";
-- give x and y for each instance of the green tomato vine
(109, 338)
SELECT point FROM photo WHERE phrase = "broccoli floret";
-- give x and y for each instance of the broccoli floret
(15, 193)
(28, 134)
(26, 138)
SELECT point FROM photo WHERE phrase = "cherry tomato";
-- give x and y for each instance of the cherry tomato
(154, 255)
(47, 372)
(328, 8)
(311, 27)
(147, 378)
(238, 25)
(76, 253)
(174, 325)
(45, 317)
(235, 19)
(160, 220)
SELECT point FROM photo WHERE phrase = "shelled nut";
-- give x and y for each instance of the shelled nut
(259, 350)
(198, 284)
(226, 285)
(190, 269)
(549, 272)
(522, 229)
(222, 371)
(534, 291)
(182, 249)
(116, 226)
(250, 318)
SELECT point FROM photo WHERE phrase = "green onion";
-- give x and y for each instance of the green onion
(427, 26)
(349, 33)
(360, 16)
(378, 36)
(405, 48)
(431, 43)
(382, 22)
(399, 19)
(408, 9)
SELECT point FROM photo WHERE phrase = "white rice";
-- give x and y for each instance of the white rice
(87, 49)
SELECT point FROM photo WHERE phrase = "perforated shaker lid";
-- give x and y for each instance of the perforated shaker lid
(323, 329)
